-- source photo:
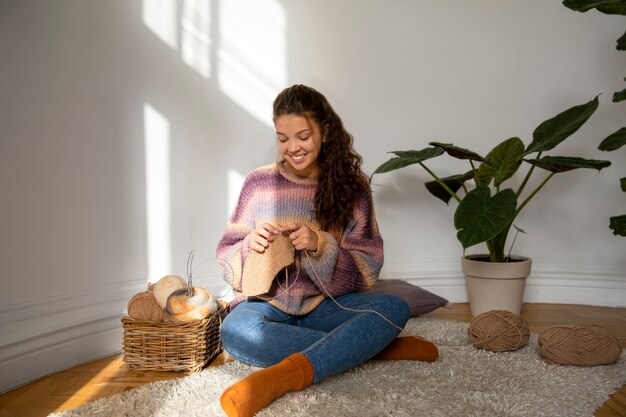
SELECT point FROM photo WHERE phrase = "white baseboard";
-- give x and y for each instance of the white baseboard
(550, 281)
(45, 336)
(28, 360)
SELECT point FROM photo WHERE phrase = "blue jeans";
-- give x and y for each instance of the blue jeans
(332, 338)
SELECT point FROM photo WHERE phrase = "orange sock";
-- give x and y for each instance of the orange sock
(408, 348)
(253, 393)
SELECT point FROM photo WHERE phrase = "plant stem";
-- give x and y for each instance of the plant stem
(445, 187)
(473, 167)
(512, 243)
(497, 243)
(528, 174)
(521, 206)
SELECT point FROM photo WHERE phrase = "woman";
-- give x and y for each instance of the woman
(313, 320)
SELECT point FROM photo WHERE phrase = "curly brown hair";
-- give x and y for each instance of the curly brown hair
(341, 180)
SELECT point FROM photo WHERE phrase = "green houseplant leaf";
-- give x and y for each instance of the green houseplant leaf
(502, 162)
(480, 216)
(614, 141)
(454, 182)
(406, 158)
(555, 130)
(457, 152)
(618, 225)
(604, 6)
(621, 43)
(619, 96)
(567, 163)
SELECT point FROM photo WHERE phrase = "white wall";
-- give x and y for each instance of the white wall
(87, 88)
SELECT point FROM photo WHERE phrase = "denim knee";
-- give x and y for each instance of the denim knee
(228, 331)
(394, 307)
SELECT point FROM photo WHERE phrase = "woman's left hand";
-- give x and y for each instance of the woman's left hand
(302, 237)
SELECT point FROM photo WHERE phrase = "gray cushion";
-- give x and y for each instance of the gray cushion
(419, 300)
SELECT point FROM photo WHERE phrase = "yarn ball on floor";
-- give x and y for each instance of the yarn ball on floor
(579, 345)
(143, 306)
(498, 331)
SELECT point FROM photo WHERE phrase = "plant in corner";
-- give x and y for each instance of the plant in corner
(486, 207)
(485, 217)
(617, 139)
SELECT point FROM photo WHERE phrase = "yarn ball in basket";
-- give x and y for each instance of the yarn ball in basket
(166, 286)
(579, 345)
(498, 331)
(183, 309)
(143, 306)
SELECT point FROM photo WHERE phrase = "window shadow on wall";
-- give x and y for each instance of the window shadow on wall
(207, 118)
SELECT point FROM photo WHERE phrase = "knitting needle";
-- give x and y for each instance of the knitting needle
(189, 273)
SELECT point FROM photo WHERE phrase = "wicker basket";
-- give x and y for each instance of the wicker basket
(157, 346)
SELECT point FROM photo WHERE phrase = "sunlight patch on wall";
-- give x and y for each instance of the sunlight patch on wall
(252, 54)
(157, 153)
(161, 17)
(195, 36)
(235, 182)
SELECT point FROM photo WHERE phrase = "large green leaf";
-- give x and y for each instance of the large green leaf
(454, 182)
(567, 163)
(604, 6)
(619, 96)
(480, 216)
(502, 162)
(621, 43)
(456, 152)
(406, 158)
(614, 141)
(618, 225)
(555, 130)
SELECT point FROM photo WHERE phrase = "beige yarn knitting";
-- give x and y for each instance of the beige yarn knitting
(261, 268)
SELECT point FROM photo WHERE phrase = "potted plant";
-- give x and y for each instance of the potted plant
(617, 139)
(487, 209)
(611, 143)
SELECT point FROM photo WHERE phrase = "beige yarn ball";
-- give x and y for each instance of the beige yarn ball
(143, 306)
(579, 345)
(498, 331)
(183, 309)
(166, 286)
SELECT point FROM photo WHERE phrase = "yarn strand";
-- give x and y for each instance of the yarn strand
(343, 307)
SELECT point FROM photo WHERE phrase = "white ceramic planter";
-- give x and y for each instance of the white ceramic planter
(495, 285)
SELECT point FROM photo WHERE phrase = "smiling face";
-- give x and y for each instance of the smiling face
(299, 143)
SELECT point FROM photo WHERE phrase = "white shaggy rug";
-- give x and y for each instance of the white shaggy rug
(464, 381)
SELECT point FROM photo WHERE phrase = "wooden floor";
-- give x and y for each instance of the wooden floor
(108, 376)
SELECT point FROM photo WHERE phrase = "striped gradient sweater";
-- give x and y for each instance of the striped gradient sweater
(352, 263)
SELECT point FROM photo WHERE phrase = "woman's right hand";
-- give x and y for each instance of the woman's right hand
(261, 237)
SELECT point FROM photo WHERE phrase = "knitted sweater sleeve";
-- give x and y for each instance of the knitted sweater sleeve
(233, 248)
(353, 263)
